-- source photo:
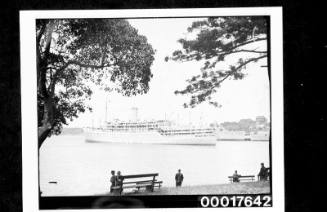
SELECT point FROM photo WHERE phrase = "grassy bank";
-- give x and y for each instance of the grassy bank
(219, 189)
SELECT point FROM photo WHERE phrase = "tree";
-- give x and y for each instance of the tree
(216, 39)
(71, 53)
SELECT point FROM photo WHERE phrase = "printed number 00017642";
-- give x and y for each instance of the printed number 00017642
(236, 201)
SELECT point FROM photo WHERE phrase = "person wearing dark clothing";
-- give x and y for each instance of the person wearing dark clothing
(236, 176)
(268, 173)
(112, 181)
(179, 178)
(119, 180)
(263, 173)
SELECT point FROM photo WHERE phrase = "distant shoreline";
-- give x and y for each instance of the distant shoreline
(72, 131)
(79, 131)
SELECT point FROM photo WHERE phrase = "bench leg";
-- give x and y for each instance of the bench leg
(154, 179)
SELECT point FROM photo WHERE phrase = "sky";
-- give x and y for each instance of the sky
(246, 98)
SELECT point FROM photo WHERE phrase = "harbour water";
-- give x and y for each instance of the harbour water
(80, 168)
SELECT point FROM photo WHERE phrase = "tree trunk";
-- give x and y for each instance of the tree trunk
(43, 133)
(48, 106)
(47, 121)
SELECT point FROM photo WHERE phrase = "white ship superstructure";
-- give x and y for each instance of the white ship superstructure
(151, 132)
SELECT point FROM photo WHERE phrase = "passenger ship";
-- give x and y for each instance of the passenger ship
(151, 132)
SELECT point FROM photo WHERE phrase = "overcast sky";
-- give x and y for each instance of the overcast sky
(245, 98)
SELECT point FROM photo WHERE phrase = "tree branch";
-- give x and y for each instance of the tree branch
(250, 51)
(245, 43)
(240, 66)
(191, 56)
(227, 75)
(233, 49)
(80, 64)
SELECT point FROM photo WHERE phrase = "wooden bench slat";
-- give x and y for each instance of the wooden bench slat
(115, 187)
(143, 185)
(243, 176)
(129, 186)
(143, 181)
(140, 175)
(150, 183)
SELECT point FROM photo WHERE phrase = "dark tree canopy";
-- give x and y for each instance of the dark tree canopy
(71, 53)
(217, 39)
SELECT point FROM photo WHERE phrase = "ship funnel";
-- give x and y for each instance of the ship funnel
(134, 114)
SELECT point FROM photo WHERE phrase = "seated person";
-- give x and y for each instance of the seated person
(236, 178)
(112, 180)
(119, 180)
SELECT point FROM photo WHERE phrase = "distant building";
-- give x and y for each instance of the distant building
(231, 126)
(246, 124)
(261, 122)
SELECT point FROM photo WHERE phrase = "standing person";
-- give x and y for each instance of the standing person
(179, 178)
(112, 180)
(263, 173)
(236, 176)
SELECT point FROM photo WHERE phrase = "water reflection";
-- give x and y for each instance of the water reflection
(81, 168)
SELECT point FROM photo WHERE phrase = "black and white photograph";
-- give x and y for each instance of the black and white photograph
(138, 108)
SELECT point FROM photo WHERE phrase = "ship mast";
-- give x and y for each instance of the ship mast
(105, 116)
(106, 112)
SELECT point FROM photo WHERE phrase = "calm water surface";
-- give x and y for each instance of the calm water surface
(81, 168)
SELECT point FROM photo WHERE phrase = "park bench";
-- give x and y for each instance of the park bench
(242, 178)
(147, 181)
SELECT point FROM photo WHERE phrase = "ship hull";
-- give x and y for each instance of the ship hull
(148, 138)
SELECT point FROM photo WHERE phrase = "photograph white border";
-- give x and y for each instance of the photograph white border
(29, 92)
